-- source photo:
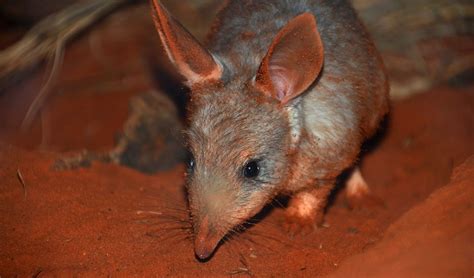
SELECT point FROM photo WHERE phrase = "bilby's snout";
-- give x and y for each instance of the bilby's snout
(206, 239)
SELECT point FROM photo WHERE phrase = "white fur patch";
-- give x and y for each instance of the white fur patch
(296, 122)
(356, 185)
(307, 204)
(329, 113)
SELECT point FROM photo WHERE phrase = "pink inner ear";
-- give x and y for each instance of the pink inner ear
(281, 80)
(293, 61)
(192, 60)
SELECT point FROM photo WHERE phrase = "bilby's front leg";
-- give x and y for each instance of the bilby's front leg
(306, 210)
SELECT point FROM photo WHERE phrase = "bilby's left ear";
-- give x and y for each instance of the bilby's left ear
(293, 61)
(191, 59)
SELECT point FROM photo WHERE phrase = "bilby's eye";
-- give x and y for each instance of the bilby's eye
(251, 169)
(191, 163)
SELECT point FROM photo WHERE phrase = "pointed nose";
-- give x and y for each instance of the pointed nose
(206, 240)
(203, 251)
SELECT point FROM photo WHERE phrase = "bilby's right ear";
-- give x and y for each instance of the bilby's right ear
(191, 59)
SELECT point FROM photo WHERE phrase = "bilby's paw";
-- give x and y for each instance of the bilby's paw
(295, 225)
(303, 215)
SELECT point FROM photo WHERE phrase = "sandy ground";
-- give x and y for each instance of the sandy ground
(111, 220)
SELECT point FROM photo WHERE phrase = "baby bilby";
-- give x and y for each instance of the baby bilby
(281, 101)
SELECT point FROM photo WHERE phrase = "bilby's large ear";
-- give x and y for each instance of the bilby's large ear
(293, 61)
(192, 60)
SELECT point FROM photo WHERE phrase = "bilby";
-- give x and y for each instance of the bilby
(281, 101)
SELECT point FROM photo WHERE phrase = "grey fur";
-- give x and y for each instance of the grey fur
(230, 124)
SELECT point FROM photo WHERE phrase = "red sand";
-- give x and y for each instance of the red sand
(433, 239)
(110, 220)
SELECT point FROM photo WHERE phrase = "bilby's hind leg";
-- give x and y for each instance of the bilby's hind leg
(358, 192)
(306, 210)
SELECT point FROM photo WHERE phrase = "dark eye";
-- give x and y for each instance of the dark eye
(251, 169)
(191, 163)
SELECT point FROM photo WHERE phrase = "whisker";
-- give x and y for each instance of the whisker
(266, 236)
(176, 229)
(257, 243)
(186, 239)
(162, 222)
(171, 237)
(168, 217)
